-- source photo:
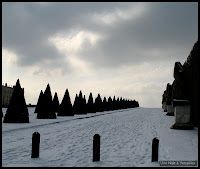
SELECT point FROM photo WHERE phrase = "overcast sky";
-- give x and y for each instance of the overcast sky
(126, 49)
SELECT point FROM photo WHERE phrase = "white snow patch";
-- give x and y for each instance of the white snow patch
(126, 140)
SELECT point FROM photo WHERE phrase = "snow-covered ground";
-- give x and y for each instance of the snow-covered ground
(126, 140)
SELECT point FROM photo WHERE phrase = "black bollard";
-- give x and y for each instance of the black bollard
(96, 147)
(155, 143)
(35, 145)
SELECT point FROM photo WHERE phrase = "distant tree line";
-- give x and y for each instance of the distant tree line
(49, 108)
(80, 106)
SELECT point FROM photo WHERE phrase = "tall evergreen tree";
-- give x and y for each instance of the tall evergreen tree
(55, 102)
(117, 104)
(84, 105)
(17, 111)
(78, 104)
(105, 104)
(47, 110)
(126, 103)
(110, 105)
(75, 105)
(38, 109)
(65, 108)
(90, 104)
(114, 103)
(137, 104)
(98, 104)
(123, 104)
(120, 103)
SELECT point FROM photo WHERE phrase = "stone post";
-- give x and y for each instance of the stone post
(96, 147)
(155, 143)
(35, 145)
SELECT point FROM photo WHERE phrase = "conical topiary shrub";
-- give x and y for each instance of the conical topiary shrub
(38, 109)
(105, 104)
(78, 104)
(98, 104)
(17, 111)
(110, 105)
(75, 105)
(84, 105)
(65, 108)
(46, 108)
(90, 104)
(55, 102)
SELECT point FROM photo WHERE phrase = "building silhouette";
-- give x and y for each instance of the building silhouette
(6, 94)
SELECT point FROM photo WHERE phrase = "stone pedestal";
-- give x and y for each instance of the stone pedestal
(170, 110)
(182, 115)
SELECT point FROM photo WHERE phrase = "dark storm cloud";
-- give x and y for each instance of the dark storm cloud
(170, 27)
(26, 27)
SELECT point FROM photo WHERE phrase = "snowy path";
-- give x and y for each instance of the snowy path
(126, 139)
